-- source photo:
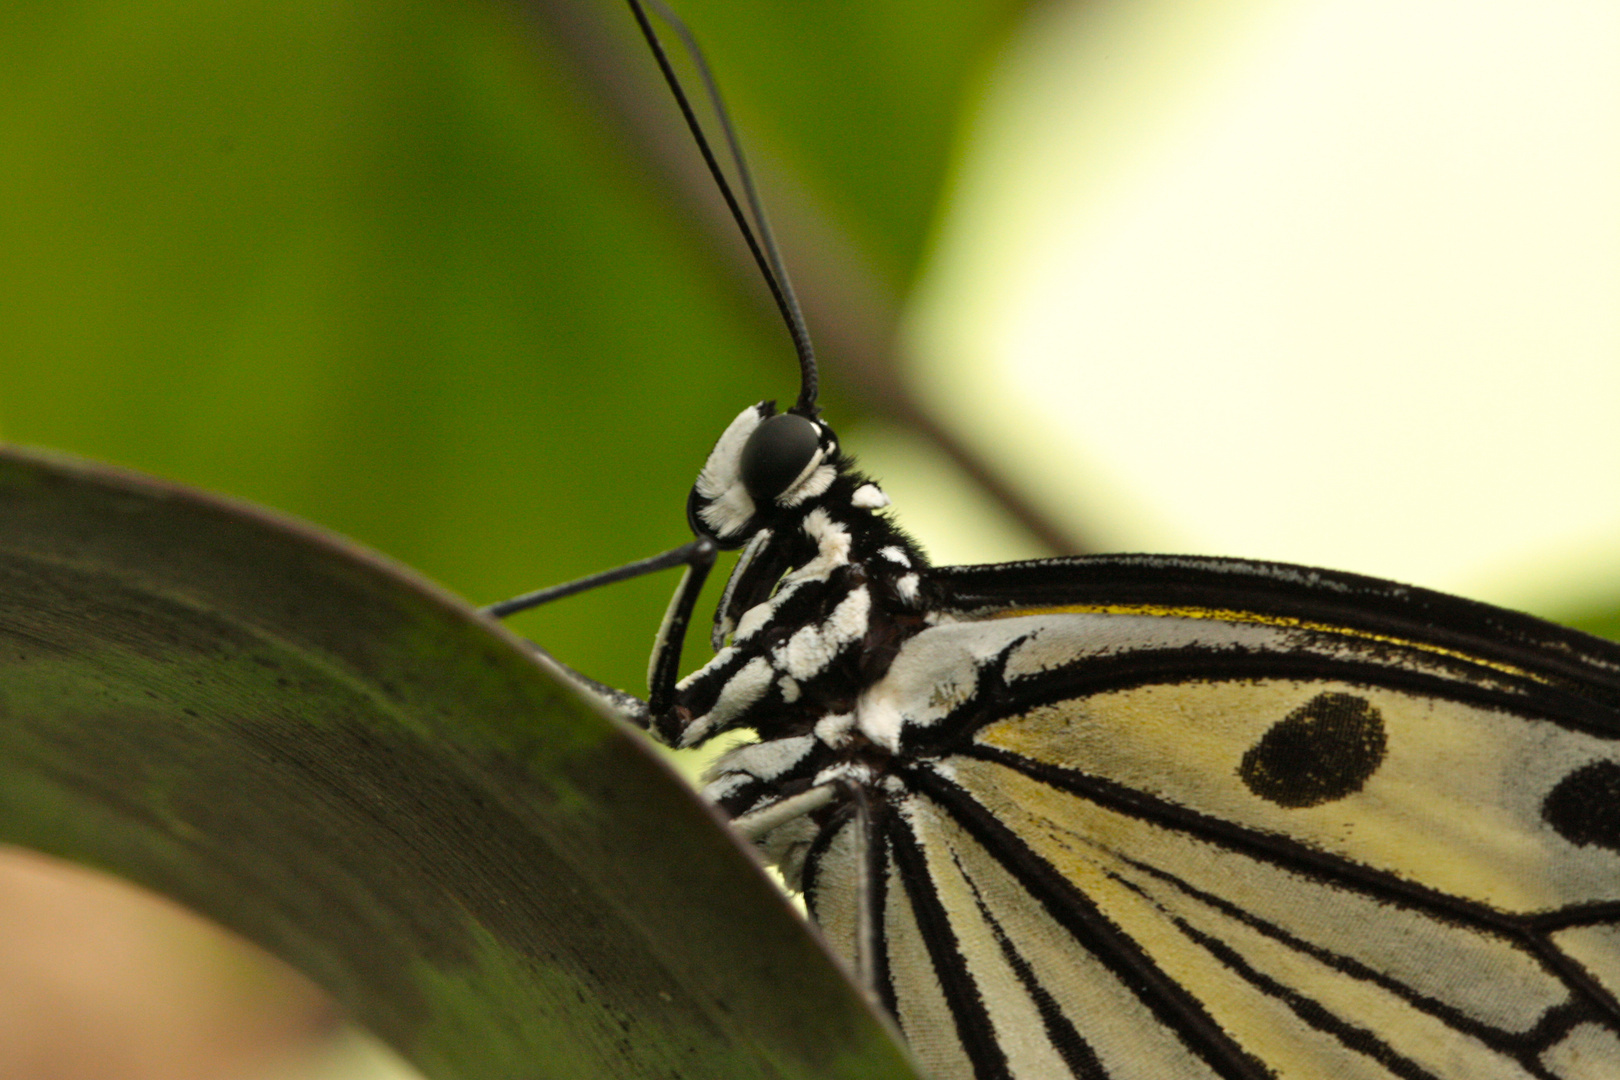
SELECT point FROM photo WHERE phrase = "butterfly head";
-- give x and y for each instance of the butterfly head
(766, 465)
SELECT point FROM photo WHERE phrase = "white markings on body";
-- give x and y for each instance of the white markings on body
(811, 648)
(790, 495)
(933, 674)
(815, 484)
(870, 497)
(832, 547)
(834, 730)
(744, 688)
(720, 658)
(895, 553)
(729, 506)
(856, 772)
(850, 619)
(764, 760)
(880, 720)
(724, 625)
(906, 587)
(725, 786)
(754, 618)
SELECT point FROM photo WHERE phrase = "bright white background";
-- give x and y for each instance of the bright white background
(1324, 281)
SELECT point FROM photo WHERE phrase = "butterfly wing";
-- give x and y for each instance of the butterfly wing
(1169, 818)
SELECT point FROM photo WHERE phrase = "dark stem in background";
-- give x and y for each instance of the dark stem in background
(852, 313)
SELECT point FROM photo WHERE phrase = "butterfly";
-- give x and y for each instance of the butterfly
(1142, 816)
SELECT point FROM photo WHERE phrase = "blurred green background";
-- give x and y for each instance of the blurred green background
(393, 267)
(439, 276)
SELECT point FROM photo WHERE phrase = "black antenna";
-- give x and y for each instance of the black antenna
(685, 555)
(763, 245)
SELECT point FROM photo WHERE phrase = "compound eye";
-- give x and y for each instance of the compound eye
(776, 453)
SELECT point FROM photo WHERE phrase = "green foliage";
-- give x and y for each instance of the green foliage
(1600, 619)
(335, 759)
(389, 267)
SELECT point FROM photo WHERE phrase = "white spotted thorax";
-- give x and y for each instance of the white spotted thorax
(824, 594)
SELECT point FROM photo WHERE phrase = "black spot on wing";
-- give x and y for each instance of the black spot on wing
(1324, 750)
(1584, 807)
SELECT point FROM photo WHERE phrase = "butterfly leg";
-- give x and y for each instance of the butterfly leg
(867, 858)
(867, 854)
(760, 822)
(698, 557)
(627, 707)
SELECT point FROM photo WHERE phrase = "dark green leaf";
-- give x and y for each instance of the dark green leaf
(350, 767)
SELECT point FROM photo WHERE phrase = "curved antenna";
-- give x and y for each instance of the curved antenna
(763, 245)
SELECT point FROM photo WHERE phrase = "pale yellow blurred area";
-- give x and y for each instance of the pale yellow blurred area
(104, 981)
(1323, 281)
